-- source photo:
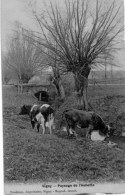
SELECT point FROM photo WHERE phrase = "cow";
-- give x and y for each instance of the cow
(85, 119)
(40, 115)
(42, 96)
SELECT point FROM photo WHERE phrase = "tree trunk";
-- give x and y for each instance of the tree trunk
(59, 88)
(81, 84)
(55, 83)
(62, 91)
(82, 99)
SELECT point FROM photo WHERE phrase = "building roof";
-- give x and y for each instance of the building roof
(41, 79)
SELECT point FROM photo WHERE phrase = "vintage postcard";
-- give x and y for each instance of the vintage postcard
(63, 96)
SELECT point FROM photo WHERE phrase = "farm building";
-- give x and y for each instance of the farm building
(35, 84)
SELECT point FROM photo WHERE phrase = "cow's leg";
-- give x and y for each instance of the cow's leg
(68, 125)
(73, 129)
(50, 123)
(50, 128)
(74, 133)
(38, 126)
(41, 121)
(89, 130)
(69, 130)
(43, 128)
(47, 124)
(33, 124)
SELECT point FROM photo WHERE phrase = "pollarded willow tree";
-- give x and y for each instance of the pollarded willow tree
(22, 58)
(83, 33)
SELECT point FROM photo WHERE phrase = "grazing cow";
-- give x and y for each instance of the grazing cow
(40, 115)
(42, 96)
(85, 119)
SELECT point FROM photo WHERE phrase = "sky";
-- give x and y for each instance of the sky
(20, 10)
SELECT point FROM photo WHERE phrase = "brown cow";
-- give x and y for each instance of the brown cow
(85, 119)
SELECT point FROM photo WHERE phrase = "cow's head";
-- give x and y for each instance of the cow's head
(23, 110)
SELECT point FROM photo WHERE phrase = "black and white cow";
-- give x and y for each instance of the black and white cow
(85, 119)
(42, 96)
(40, 115)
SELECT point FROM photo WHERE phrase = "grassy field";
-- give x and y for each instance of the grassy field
(30, 156)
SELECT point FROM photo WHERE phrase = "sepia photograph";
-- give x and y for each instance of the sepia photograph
(63, 96)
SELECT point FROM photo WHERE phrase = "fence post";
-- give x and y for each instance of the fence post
(21, 88)
(18, 88)
(94, 86)
(40, 97)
